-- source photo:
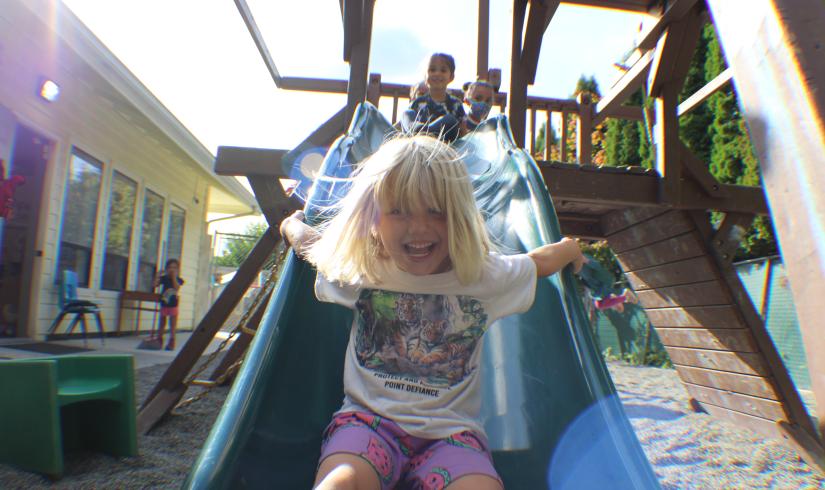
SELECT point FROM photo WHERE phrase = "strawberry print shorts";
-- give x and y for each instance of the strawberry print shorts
(404, 461)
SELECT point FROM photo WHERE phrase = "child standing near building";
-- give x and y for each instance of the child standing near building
(170, 283)
(436, 113)
(408, 251)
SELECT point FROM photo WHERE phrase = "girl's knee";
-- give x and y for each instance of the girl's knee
(346, 472)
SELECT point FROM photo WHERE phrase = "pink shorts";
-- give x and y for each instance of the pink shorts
(168, 311)
(610, 302)
(397, 457)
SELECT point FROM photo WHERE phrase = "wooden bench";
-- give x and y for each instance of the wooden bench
(134, 301)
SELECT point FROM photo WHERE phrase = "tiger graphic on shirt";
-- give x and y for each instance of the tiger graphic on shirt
(427, 336)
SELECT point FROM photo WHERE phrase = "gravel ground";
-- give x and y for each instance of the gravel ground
(691, 450)
(688, 450)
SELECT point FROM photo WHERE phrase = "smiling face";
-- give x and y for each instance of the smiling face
(439, 74)
(415, 240)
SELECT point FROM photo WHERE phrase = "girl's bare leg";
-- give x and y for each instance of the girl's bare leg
(345, 471)
(173, 324)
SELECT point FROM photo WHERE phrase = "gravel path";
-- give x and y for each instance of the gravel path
(688, 450)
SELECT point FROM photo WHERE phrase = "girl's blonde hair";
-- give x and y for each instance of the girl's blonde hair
(410, 173)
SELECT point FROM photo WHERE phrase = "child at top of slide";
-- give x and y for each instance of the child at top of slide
(437, 112)
(408, 251)
(478, 96)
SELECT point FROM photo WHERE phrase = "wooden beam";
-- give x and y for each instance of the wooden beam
(258, 39)
(584, 130)
(668, 159)
(779, 77)
(274, 203)
(359, 57)
(629, 83)
(626, 5)
(673, 54)
(614, 187)
(538, 18)
(351, 18)
(547, 131)
(483, 45)
(698, 170)
(731, 230)
(154, 407)
(239, 161)
(675, 11)
(703, 93)
(517, 97)
(374, 89)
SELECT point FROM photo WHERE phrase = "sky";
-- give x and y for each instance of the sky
(199, 60)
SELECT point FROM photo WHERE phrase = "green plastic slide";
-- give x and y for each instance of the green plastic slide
(551, 412)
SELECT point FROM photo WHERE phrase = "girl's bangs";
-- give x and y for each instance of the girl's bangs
(411, 186)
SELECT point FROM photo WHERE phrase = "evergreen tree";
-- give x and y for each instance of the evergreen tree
(732, 159)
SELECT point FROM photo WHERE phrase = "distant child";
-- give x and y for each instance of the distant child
(479, 97)
(408, 251)
(170, 283)
(600, 286)
(436, 113)
(418, 90)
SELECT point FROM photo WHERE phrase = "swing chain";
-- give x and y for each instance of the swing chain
(241, 327)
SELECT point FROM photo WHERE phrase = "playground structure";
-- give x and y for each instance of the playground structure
(678, 264)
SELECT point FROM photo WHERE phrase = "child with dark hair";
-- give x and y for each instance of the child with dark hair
(479, 97)
(170, 283)
(436, 113)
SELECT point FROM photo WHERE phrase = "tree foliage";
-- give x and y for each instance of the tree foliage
(715, 131)
(238, 248)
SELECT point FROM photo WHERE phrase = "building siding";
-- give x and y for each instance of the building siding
(92, 116)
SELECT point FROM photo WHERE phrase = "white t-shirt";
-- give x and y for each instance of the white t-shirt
(415, 344)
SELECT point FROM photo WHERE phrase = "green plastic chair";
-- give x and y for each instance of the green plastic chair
(49, 406)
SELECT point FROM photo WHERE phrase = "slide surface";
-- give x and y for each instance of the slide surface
(550, 410)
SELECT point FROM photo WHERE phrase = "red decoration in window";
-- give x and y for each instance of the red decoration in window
(7, 188)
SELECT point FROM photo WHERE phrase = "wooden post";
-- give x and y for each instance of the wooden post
(563, 138)
(533, 135)
(170, 388)
(374, 89)
(783, 41)
(359, 57)
(668, 159)
(584, 130)
(395, 109)
(483, 47)
(517, 95)
(547, 114)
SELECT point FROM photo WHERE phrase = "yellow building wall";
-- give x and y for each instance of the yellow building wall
(93, 117)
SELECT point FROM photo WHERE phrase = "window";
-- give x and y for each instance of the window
(119, 232)
(174, 233)
(149, 240)
(79, 216)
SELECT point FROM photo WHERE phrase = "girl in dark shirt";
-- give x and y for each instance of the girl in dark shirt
(170, 284)
(436, 113)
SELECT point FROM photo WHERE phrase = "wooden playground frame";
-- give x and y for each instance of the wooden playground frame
(655, 221)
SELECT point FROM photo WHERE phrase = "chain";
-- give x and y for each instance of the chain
(241, 327)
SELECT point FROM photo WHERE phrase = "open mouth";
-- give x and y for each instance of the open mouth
(419, 250)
